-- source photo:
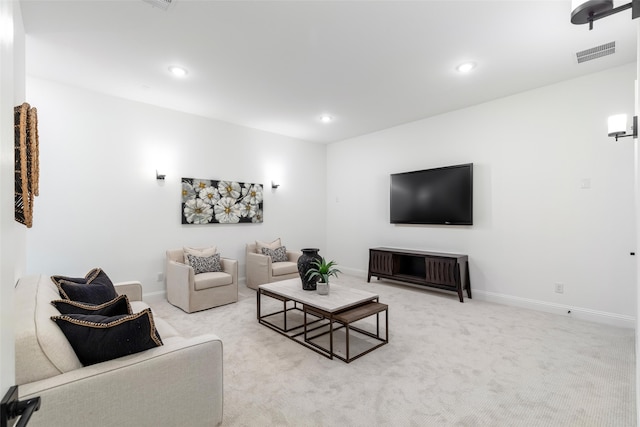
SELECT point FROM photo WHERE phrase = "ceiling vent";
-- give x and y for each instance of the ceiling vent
(596, 52)
(161, 4)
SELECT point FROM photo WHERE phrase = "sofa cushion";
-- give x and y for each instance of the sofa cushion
(204, 264)
(165, 330)
(212, 280)
(96, 338)
(118, 305)
(138, 306)
(282, 268)
(271, 245)
(94, 288)
(202, 252)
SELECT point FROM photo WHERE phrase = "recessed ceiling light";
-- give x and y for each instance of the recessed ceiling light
(466, 67)
(178, 71)
(326, 118)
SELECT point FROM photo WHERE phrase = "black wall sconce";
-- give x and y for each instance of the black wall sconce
(587, 11)
(160, 177)
(274, 185)
(617, 126)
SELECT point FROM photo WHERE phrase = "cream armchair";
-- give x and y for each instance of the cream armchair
(260, 269)
(194, 292)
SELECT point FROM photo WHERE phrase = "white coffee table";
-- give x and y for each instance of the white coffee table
(341, 300)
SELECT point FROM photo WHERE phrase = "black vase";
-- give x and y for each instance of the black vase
(304, 264)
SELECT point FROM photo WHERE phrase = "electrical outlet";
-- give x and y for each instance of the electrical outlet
(160, 277)
(559, 288)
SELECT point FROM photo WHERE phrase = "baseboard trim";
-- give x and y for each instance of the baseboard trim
(597, 316)
(155, 296)
(587, 314)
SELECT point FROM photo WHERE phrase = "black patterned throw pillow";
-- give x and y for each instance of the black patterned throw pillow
(96, 338)
(205, 264)
(277, 255)
(117, 306)
(94, 288)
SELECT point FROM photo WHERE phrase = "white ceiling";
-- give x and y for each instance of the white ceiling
(279, 65)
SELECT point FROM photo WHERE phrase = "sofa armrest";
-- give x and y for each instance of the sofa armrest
(132, 289)
(179, 383)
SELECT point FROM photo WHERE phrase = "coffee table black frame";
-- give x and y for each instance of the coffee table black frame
(321, 308)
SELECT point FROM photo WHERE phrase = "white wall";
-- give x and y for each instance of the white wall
(100, 204)
(533, 223)
(12, 234)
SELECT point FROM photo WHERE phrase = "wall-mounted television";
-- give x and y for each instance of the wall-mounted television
(433, 196)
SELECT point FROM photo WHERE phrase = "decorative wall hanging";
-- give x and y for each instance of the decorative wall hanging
(27, 166)
(206, 201)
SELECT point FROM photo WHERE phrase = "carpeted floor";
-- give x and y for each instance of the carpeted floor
(447, 364)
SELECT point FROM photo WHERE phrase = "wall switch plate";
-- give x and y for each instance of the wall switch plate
(585, 183)
(559, 288)
(160, 277)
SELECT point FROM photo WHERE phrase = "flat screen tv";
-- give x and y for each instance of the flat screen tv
(433, 196)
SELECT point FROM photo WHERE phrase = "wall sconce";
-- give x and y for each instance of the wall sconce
(160, 177)
(618, 126)
(274, 185)
(587, 11)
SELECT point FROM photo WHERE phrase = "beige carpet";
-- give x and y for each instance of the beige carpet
(447, 364)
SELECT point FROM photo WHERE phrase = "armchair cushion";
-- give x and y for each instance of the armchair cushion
(282, 268)
(212, 280)
(277, 255)
(204, 264)
(96, 338)
(94, 288)
(117, 306)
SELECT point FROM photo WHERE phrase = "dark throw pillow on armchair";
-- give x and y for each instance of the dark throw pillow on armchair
(94, 288)
(96, 338)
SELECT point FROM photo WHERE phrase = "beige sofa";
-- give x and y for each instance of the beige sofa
(178, 383)
(260, 269)
(194, 292)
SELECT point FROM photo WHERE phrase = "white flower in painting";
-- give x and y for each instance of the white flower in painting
(252, 193)
(201, 184)
(229, 189)
(187, 191)
(209, 195)
(248, 209)
(197, 212)
(227, 210)
(258, 216)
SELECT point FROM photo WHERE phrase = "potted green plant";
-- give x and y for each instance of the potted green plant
(322, 270)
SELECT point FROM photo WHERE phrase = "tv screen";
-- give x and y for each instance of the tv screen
(433, 196)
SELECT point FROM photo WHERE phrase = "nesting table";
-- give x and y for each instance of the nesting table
(310, 318)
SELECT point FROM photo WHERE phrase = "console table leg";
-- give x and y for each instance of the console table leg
(468, 280)
(458, 281)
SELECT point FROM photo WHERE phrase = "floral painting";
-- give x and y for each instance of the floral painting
(206, 201)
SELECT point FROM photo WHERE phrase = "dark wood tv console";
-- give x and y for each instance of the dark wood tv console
(433, 269)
